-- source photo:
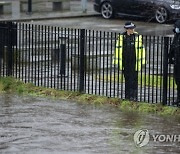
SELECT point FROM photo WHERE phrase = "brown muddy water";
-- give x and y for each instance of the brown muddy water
(42, 126)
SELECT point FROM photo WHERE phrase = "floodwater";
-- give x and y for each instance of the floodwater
(41, 125)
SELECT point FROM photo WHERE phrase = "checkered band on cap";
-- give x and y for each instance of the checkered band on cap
(129, 25)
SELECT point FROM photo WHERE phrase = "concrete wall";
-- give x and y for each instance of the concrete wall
(37, 5)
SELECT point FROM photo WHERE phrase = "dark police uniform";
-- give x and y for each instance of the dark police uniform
(129, 63)
(174, 58)
(130, 56)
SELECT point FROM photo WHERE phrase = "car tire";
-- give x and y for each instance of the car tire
(107, 10)
(161, 15)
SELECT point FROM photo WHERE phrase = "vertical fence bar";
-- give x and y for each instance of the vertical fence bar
(48, 52)
(114, 66)
(42, 52)
(18, 63)
(82, 59)
(9, 49)
(141, 76)
(35, 54)
(66, 80)
(96, 70)
(50, 58)
(71, 51)
(78, 59)
(18, 52)
(100, 61)
(63, 57)
(38, 46)
(1, 46)
(87, 66)
(145, 69)
(165, 70)
(23, 42)
(153, 63)
(27, 51)
(120, 84)
(2, 31)
(91, 57)
(75, 60)
(32, 53)
(55, 47)
(149, 79)
(107, 70)
(60, 34)
(104, 43)
(157, 72)
(5, 49)
(45, 56)
(161, 81)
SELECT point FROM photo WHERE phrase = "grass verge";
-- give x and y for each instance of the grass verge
(11, 85)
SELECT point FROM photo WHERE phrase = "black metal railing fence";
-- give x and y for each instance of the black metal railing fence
(82, 60)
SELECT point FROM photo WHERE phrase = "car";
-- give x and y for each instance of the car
(161, 10)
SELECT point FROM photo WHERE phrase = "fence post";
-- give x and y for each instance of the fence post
(82, 60)
(63, 56)
(9, 48)
(165, 70)
(29, 6)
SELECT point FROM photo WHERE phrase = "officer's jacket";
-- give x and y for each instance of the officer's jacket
(139, 49)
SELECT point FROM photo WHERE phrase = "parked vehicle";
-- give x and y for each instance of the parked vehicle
(161, 10)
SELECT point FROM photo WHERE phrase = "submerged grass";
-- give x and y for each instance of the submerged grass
(11, 85)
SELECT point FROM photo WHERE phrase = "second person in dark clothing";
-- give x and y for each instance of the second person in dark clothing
(174, 58)
(130, 56)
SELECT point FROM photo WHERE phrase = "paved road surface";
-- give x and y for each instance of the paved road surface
(115, 25)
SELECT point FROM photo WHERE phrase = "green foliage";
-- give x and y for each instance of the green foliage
(10, 84)
(166, 110)
(100, 100)
(1, 87)
(148, 108)
(20, 89)
(114, 101)
(7, 83)
(126, 105)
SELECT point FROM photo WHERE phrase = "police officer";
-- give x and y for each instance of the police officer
(174, 58)
(129, 56)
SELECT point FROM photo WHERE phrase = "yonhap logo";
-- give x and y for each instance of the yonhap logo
(141, 138)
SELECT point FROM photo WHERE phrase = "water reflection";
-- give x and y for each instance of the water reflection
(41, 125)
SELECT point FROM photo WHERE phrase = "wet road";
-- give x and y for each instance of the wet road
(144, 27)
(41, 125)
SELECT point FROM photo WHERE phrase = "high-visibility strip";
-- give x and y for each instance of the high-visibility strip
(118, 46)
(117, 58)
(140, 59)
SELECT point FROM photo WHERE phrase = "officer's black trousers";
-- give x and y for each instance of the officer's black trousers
(178, 91)
(177, 80)
(131, 85)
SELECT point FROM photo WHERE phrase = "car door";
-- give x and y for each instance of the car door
(130, 6)
(122, 6)
(144, 7)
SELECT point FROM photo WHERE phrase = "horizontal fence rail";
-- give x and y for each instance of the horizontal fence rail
(82, 60)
